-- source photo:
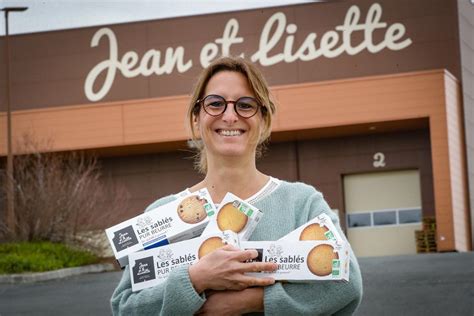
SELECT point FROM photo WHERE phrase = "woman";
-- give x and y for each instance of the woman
(230, 117)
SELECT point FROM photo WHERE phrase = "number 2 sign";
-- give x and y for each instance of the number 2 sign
(379, 160)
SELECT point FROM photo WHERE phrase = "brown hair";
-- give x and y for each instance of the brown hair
(256, 82)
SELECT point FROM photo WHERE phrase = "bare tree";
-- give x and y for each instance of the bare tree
(58, 195)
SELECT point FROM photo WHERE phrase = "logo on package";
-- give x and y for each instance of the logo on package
(144, 222)
(143, 270)
(124, 238)
(164, 255)
(275, 251)
(259, 257)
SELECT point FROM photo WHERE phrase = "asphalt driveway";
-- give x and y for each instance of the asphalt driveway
(425, 284)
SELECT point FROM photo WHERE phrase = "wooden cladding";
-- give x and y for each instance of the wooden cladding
(328, 104)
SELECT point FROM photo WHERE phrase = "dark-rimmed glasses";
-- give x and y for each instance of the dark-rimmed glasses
(215, 105)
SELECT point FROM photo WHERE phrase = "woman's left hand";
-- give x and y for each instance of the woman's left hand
(233, 302)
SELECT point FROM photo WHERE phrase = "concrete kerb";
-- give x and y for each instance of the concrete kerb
(56, 274)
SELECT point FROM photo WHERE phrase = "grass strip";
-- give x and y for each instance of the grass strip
(41, 256)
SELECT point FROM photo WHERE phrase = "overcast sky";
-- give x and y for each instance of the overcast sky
(47, 15)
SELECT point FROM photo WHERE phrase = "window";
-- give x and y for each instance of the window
(359, 220)
(385, 218)
(409, 216)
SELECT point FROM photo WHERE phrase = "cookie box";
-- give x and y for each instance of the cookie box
(302, 260)
(319, 228)
(181, 219)
(237, 215)
(151, 267)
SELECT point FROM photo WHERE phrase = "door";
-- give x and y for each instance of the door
(383, 210)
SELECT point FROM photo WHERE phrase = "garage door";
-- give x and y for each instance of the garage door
(383, 211)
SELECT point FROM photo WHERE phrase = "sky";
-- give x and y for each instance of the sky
(48, 15)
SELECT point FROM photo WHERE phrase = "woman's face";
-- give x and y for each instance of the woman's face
(229, 135)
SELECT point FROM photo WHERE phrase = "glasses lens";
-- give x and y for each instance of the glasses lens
(214, 104)
(246, 106)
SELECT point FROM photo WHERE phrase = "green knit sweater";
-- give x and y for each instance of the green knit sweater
(287, 207)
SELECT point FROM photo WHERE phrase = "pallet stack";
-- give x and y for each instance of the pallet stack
(426, 238)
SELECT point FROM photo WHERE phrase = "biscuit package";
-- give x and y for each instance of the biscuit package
(308, 260)
(151, 267)
(319, 228)
(236, 215)
(181, 219)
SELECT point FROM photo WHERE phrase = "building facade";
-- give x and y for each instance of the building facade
(375, 106)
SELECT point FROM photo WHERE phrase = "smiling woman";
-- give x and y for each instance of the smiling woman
(236, 80)
(227, 135)
(230, 117)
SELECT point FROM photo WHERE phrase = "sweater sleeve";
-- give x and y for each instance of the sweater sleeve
(316, 298)
(176, 296)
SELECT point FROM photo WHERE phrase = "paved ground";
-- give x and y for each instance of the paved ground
(425, 284)
(86, 294)
(431, 284)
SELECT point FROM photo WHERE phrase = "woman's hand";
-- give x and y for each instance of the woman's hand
(233, 302)
(224, 269)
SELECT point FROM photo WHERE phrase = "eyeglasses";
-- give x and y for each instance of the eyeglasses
(215, 105)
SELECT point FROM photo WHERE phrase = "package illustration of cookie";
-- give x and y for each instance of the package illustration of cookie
(310, 260)
(314, 232)
(230, 217)
(151, 267)
(237, 215)
(191, 210)
(321, 260)
(319, 228)
(181, 219)
(209, 245)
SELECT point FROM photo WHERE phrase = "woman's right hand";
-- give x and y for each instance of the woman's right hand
(224, 269)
